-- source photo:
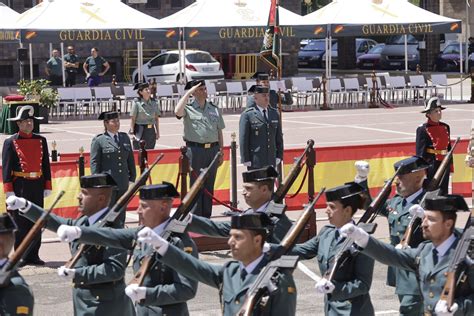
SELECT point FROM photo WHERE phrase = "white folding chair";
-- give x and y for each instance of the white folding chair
(67, 99)
(398, 86)
(235, 94)
(166, 97)
(351, 87)
(440, 82)
(85, 100)
(417, 85)
(103, 99)
(335, 89)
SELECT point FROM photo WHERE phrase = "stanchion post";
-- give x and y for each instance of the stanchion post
(233, 169)
(324, 82)
(81, 162)
(373, 92)
(183, 171)
(310, 163)
(142, 156)
(54, 152)
(472, 85)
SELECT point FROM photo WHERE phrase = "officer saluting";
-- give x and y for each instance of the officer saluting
(111, 152)
(16, 297)
(260, 135)
(26, 173)
(203, 125)
(433, 140)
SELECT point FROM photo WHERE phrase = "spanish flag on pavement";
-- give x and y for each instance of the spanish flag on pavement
(270, 51)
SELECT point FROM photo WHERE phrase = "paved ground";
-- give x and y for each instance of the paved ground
(328, 128)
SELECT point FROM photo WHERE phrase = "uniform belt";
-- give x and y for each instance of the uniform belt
(206, 145)
(98, 285)
(146, 125)
(27, 174)
(427, 313)
(436, 152)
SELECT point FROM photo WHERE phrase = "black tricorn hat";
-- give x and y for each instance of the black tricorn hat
(432, 104)
(140, 86)
(253, 221)
(99, 180)
(259, 75)
(262, 174)
(343, 192)
(7, 224)
(162, 191)
(193, 83)
(411, 164)
(258, 89)
(23, 113)
(109, 115)
(445, 203)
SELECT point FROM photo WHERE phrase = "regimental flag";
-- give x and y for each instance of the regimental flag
(270, 51)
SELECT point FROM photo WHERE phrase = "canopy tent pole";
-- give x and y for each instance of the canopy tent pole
(139, 61)
(63, 69)
(22, 73)
(180, 48)
(406, 53)
(467, 35)
(184, 59)
(460, 69)
(30, 46)
(330, 56)
(326, 59)
(50, 50)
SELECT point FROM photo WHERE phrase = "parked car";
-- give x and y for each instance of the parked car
(393, 54)
(449, 58)
(363, 45)
(310, 55)
(371, 60)
(165, 67)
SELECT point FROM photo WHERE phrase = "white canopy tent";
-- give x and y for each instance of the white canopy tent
(379, 18)
(7, 20)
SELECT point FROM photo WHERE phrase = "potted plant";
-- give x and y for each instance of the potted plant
(39, 91)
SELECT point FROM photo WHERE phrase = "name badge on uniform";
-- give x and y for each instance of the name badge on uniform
(274, 121)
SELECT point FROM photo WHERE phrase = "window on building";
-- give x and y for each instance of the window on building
(6, 71)
(154, 4)
(177, 3)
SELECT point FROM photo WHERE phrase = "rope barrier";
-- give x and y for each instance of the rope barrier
(301, 185)
(451, 84)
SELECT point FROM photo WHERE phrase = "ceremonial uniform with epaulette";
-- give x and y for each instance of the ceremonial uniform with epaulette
(203, 125)
(430, 260)
(433, 141)
(165, 291)
(352, 280)
(260, 134)
(233, 279)
(397, 212)
(275, 212)
(16, 297)
(26, 173)
(112, 153)
(98, 275)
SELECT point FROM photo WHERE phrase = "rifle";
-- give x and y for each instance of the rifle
(15, 259)
(178, 222)
(295, 170)
(433, 185)
(459, 263)
(115, 210)
(265, 282)
(366, 222)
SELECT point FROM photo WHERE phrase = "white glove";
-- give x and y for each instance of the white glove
(15, 203)
(8, 194)
(441, 308)
(278, 160)
(135, 292)
(324, 286)
(148, 236)
(47, 193)
(400, 247)
(266, 247)
(66, 273)
(416, 211)
(247, 164)
(363, 169)
(360, 236)
(68, 233)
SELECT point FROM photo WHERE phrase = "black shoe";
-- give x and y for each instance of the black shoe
(35, 262)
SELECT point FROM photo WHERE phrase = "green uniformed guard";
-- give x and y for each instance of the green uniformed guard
(262, 79)
(16, 297)
(409, 185)
(260, 135)
(234, 278)
(145, 118)
(430, 260)
(348, 292)
(164, 291)
(71, 65)
(203, 125)
(54, 69)
(112, 153)
(257, 191)
(98, 276)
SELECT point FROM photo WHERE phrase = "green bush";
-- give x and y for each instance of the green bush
(40, 91)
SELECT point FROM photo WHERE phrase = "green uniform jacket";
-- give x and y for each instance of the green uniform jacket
(398, 219)
(431, 278)
(16, 298)
(232, 289)
(99, 286)
(118, 161)
(167, 291)
(207, 227)
(260, 142)
(352, 281)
